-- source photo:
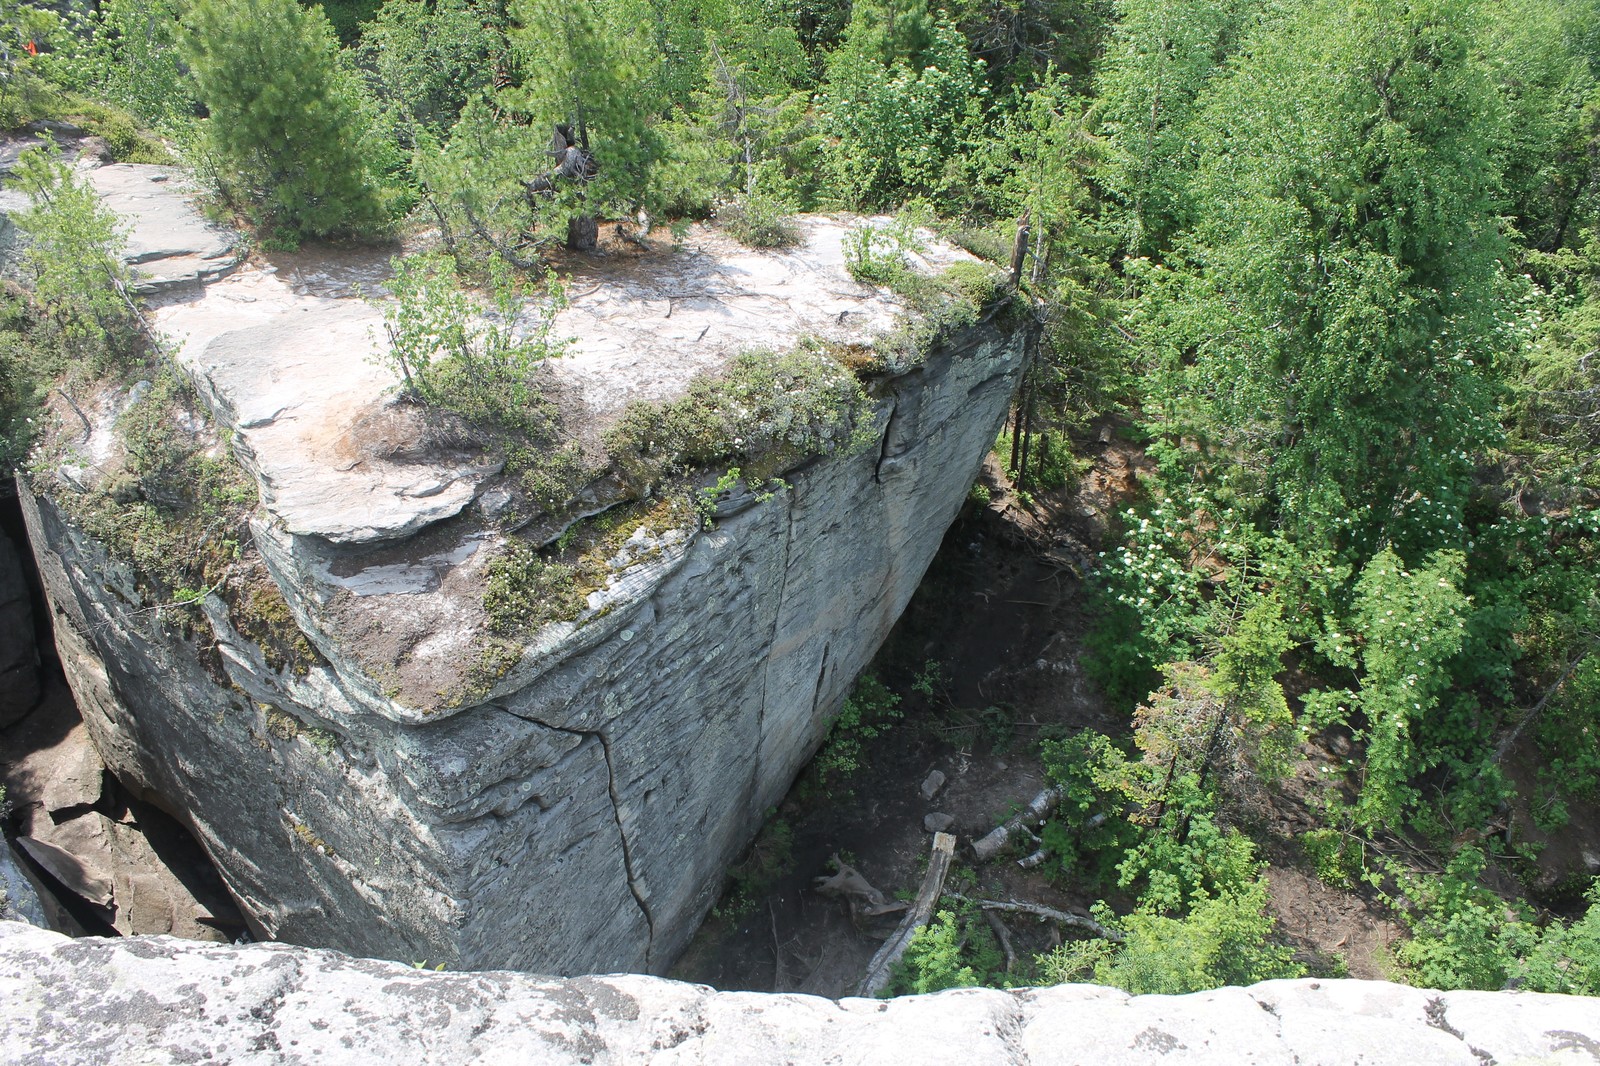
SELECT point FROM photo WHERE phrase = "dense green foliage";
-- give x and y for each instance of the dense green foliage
(1334, 267)
(448, 353)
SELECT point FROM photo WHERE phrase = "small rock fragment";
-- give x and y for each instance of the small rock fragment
(932, 784)
(938, 822)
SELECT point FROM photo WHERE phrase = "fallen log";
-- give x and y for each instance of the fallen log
(991, 845)
(1036, 859)
(1001, 934)
(1049, 914)
(882, 965)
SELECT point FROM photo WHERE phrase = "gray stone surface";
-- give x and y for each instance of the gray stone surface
(582, 816)
(170, 244)
(156, 999)
(20, 900)
(57, 788)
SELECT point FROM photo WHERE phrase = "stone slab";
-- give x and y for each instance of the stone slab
(157, 999)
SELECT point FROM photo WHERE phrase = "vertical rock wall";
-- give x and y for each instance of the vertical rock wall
(581, 819)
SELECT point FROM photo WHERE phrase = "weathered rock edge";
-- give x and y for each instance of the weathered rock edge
(160, 999)
(581, 818)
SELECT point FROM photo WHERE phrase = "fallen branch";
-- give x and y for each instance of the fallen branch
(1049, 914)
(882, 965)
(989, 846)
(88, 430)
(1510, 740)
(1004, 936)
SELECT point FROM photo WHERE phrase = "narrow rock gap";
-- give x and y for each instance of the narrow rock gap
(888, 435)
(161, 876)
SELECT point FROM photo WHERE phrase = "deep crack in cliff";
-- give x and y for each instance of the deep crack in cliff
(616, 815)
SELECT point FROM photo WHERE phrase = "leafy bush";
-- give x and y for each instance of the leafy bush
(760, 221)
(903, 121)
(955, 950)
(126, 52)
(25, 26)
(1223, 940)
(525, 591)
(867, 713)
(426, 60)
(74, 261)
(1088, 835)
(1339, 858)
(451, 355)
(877, 254)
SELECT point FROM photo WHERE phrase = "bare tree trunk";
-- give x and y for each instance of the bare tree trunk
(1041, 805)
(1027, 440)
(878, 973)
(1016, 430)
(1019, 251)
(583, 233)
(1049, 914)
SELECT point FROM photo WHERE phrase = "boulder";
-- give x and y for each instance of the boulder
(170, 244)
(20, 898)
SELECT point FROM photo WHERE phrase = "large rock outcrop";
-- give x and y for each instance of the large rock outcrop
(156, 999)
(570, 804)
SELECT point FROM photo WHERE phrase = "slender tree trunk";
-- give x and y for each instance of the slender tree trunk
(1016, 430)
(1027, 440)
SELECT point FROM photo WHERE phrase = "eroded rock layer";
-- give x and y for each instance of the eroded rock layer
(157, 999)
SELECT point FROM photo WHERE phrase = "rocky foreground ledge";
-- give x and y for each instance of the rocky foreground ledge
(159, 999)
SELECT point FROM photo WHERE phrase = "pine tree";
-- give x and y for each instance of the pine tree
(284, 127)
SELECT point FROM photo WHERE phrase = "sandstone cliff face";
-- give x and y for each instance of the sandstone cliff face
(172, 1001)
(575, 814)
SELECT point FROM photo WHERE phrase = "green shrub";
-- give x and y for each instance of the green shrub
(526, 591)
(1223, 940)
(767, 413)
(1339, 858)
(760, 221)
(866, 714)
(284, 124)
(125, 52)
(74, 261)
(451, 355)
(879, 254)
(955, 950)
(176, 507)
